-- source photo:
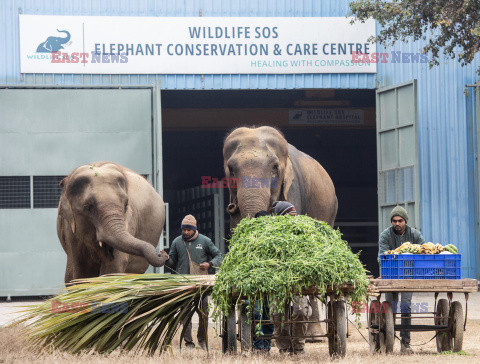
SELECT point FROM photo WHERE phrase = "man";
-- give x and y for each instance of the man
(390, 239)
(189, 254)
(301, 309)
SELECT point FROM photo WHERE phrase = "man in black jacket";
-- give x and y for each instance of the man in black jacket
(190, 254)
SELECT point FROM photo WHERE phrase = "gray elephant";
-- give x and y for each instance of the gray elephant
(266, 169)
(109, 221)
(53, 44)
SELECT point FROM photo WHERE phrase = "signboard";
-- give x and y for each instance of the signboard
(193, 45)
(326, 116)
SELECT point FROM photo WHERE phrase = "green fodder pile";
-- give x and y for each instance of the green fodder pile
(274, 258)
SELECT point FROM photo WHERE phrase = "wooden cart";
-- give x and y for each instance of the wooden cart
(243, 328)
(449, 322)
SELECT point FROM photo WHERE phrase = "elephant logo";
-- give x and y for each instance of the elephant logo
(54, 44)
(298, 115)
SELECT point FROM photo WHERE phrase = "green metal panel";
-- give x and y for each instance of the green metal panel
(397, 152)
(49, 132)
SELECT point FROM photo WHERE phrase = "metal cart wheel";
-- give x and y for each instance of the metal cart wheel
(456, 326)
(387, 328)
(337, 329)
(229, 333)
(246, 343)
(374, 319)
(443, 337)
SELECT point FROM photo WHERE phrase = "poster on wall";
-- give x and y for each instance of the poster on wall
(326, 116)
(194, 45)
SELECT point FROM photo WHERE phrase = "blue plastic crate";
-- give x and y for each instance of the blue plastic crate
(421, 266)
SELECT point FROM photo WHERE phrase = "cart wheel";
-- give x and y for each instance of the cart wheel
(229, 338)
(337, 329)
(374, 319)
(387, 328)
(456, 326)
(443, 337)
(245, 330)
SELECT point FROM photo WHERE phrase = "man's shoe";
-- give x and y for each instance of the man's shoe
(203, 345)
(189, 346)
(405, 349)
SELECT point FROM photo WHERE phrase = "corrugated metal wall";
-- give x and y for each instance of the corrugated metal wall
(448, 189)
(9, 42)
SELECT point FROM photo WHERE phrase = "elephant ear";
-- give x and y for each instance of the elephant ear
(68, 215)
(63, 182)
(287, 179)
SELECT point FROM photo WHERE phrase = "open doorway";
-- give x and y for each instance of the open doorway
(340, 135)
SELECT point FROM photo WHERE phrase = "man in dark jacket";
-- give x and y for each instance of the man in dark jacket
(390, 239)
(192, 249)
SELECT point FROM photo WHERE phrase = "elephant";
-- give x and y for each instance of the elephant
(266, 168)
(109, 221)
(53, 44)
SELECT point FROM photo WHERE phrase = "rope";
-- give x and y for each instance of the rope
(368, 342)
(418, 344)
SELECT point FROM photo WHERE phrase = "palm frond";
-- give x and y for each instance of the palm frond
(141, 312)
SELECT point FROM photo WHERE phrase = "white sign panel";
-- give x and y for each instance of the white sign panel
(188, 45)
(326, 116)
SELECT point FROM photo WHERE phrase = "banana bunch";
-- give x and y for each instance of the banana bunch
(406, 247)
(451, 248)
(430, 248)
(426, 248)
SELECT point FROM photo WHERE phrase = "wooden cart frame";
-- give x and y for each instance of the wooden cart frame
(449, 322)
(243, 329)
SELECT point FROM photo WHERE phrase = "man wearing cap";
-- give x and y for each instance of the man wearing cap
(301, 310)
(190, 253)
(390, 239)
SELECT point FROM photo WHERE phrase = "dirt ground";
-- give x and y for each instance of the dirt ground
(13, 349)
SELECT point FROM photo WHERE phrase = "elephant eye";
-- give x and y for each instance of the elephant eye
(88, 207)
(232, 173)
(126, 205)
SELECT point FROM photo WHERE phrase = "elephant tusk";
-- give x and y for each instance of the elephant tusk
(100, 243)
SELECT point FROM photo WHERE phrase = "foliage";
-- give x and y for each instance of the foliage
(453, 25)
(274, 258)
(155, 306)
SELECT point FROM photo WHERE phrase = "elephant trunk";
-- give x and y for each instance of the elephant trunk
(67, 38)
(112, 231)
(252, 200)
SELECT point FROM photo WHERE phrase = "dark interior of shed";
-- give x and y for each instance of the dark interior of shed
(193, 148)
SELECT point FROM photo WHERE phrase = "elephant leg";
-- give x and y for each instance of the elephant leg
(84, 269)
(314, 328)
(117, 265)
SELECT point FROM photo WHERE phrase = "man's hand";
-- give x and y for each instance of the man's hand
(163, 252)
(205, 265)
